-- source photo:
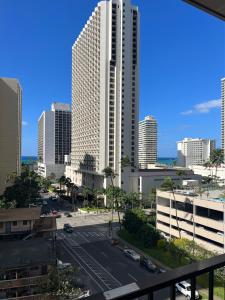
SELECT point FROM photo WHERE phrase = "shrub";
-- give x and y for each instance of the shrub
(162, 244)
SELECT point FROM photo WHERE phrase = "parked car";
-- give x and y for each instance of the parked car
(61, 265)
(147, 264)
(114, 242)
(184, 288)
(132, 254)
(44, 202)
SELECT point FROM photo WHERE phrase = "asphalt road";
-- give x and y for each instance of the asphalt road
(103, 266)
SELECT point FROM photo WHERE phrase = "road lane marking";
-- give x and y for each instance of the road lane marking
(83, 237)
(132, 276)
(97, 264)
(85, 270)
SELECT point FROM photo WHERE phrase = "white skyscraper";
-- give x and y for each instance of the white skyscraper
(54, 139)
(194, 151)
(147, 142)
(223, 115)
(105, 95)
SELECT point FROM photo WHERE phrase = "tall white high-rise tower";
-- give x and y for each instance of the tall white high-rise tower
(147, 142)
(105, 95)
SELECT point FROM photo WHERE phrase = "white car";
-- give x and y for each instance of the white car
(61, 265)
(184, 288)
(44, 202)
(132, 254)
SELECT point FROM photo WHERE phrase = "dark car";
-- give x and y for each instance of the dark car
(68, 228)
(147, 264)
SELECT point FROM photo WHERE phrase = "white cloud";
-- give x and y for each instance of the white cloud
(187, 112)
(24, 123)
(204, 107)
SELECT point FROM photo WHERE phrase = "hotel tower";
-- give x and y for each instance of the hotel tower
(105, 95)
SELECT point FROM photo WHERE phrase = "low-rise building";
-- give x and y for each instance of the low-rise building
(149, 179)
(23, 265)
(199, 217)
(17, 223)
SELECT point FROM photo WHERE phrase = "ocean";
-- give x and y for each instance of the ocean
(161, 160)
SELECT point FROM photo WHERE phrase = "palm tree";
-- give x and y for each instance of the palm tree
(216, 159)
(169, 185)
(62, 181)
(85, 194)
(74, 190)
(109, 173)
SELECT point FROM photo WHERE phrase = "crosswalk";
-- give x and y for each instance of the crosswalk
(82, 237)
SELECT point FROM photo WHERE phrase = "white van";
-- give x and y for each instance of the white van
(185, 288)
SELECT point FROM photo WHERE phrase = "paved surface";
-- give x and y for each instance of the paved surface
(103, 266)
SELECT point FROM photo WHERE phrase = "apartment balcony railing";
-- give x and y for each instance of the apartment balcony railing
(20, 282)
(168, 280)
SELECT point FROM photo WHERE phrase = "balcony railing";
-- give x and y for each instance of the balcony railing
(169, 279)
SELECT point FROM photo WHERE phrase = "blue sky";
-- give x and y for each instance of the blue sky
(182, 62)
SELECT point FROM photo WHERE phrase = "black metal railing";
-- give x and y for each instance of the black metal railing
(170, 278)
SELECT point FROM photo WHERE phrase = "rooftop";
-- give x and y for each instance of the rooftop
(23, 253)
(20, 214)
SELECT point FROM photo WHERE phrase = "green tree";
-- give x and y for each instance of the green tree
(60, 283)
(216, 159)
(62, 181)
(23, 191)
(115, 196)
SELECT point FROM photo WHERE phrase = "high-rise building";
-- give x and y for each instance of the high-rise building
(105, 95)
(194, 151)
(147, 142)
(223, 114)
(10, 129)
(54, 140)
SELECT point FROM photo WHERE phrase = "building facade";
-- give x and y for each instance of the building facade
(223, 114)
(151, 179)
(197, 217)
(54, 140)
(147, 142)
(10, 129)
(105, 95)
(28, 263)
(194, 151)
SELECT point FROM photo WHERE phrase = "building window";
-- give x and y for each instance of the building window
(14, 223)
(25, 222)
(1, 225)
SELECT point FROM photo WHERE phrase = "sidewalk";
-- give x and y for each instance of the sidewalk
(202, 291)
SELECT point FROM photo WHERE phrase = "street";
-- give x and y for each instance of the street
(102, 266)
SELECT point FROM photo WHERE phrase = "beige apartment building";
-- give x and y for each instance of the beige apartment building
(105, 95)
(199, 217)
(10, 129)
